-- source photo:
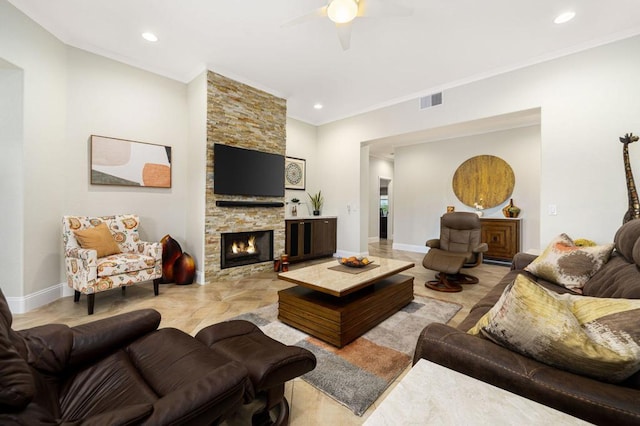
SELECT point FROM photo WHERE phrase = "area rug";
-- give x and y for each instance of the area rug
(357, 374)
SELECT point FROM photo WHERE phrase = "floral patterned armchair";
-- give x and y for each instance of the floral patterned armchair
(89, 274)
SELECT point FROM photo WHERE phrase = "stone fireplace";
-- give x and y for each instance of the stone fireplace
(241, 116)
(245, 248)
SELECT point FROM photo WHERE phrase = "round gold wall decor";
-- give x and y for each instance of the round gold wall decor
(485, 180)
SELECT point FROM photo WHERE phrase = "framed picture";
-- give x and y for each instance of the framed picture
(294, 173)
(129, 163)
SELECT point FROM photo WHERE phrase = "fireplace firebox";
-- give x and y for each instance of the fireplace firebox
(245, 248)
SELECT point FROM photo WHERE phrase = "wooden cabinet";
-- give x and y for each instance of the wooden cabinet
(324, 237)
(298, 239)
(502, 236)
(310, 238)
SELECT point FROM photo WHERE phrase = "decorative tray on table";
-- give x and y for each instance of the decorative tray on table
(355, 262)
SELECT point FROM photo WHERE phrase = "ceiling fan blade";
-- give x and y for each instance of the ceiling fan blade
(382, 9)
(362, 7)
(344, 34)
(318, 13)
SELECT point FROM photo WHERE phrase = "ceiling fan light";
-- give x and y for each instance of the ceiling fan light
(342, 11)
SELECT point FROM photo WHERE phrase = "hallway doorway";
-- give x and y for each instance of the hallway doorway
(384, 204)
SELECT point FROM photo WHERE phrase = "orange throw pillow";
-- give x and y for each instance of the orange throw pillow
(98, 238)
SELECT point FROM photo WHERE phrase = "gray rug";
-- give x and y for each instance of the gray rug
(357, 374)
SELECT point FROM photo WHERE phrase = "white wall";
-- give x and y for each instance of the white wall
(423, 183)
(363, 201)
(378, 168)
(301, 143)
(43, 59)
(69, 94)
(196, 173)
(338, 156)
(108, 98)
(11, 184)
(587, 101)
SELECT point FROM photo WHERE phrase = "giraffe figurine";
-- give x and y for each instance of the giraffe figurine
(634, 204)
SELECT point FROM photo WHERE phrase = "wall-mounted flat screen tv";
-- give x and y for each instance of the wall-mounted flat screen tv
(239, 171)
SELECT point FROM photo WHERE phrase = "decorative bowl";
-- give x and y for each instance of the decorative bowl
(355, 262)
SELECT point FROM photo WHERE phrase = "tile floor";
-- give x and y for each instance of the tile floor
(193, 307)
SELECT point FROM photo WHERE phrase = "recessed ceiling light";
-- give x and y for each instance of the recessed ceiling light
(564, 17)
(317, 106)
(150, 37)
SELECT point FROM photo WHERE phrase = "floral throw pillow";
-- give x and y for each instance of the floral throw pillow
(566, 264)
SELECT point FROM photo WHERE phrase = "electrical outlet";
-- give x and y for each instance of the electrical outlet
(553, 210)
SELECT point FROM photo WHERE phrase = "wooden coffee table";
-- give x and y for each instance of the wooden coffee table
(338, 304)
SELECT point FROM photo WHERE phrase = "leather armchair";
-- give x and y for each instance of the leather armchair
(118, 371)
(459, 246)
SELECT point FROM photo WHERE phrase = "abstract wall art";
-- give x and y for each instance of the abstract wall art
(129, 163)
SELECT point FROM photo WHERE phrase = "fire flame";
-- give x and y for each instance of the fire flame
(241, 247)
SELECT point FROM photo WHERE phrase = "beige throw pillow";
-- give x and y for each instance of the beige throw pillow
(591, 336)
(566, 264)
(98, 238)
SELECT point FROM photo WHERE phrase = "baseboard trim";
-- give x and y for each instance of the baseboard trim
(23, 304)
(66, 291)
(410, 247)
(374, 239)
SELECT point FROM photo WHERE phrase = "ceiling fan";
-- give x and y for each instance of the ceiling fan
(344, 12)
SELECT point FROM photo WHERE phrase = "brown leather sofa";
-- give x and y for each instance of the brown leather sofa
(122, 370)
(589, 399)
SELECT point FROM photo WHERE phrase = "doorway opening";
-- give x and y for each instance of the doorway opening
(384, 208)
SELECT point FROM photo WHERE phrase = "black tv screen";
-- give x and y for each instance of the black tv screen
(239, 171)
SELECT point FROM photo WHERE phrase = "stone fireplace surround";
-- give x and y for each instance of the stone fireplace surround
(245, 117)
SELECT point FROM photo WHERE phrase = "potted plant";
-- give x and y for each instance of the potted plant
(316, 202)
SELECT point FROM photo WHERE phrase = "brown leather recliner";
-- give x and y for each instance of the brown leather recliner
(459, 246)
(122, 370)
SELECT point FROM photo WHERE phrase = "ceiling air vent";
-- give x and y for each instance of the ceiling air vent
(430, 100)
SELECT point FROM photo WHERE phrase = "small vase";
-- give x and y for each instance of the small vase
(510, 210)
(316, 212)
(294, 210)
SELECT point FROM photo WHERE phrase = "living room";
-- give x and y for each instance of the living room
(586, 101)
(57, 96)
